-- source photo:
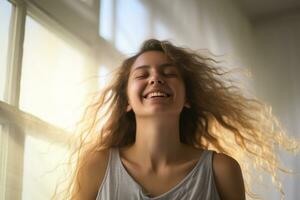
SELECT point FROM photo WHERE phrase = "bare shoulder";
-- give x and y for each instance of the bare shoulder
(228, 177)
(92, 174)
(97, 159)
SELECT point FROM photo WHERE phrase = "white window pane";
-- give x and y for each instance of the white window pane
(5, 16)
(43, 168)
(53, 82)
(106, 19)
(132, 25)
(126, 24)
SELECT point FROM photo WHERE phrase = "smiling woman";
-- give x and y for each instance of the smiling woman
(175, 128)
(154, 82)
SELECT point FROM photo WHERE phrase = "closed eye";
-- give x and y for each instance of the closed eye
(170, 74)
(138, 76)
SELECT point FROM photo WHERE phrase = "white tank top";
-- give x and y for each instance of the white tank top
(199, 184)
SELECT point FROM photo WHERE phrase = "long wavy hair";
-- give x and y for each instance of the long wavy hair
(221, 118)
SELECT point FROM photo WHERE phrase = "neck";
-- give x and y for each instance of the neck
(157, 141)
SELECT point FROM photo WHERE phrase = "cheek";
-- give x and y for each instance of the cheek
(182, 93)
(134, 90)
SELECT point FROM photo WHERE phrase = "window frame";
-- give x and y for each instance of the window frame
(11, 135)
(12, 119)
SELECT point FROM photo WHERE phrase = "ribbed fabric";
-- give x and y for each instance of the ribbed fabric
(199, 184)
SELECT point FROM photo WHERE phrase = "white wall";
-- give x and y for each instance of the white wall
(277, 81)
(217, 25)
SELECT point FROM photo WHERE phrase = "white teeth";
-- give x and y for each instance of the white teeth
(156, 94)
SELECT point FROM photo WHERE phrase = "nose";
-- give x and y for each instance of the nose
(156, 82)
(156, 79)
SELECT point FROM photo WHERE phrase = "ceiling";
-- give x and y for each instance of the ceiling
(259, 9)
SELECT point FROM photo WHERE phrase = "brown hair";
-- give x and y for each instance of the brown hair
(221, 117)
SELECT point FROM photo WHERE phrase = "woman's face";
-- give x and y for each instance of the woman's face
(155, 86)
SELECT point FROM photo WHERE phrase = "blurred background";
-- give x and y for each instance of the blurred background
(55, 53)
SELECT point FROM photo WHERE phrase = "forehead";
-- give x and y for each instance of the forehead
(151, 58)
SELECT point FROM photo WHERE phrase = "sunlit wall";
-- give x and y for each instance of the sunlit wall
(277, 82)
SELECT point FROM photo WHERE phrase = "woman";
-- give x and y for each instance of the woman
(174, 128)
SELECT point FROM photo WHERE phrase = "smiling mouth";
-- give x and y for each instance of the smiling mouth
(157, 95)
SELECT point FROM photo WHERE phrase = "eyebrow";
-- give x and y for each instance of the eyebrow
(164, 65)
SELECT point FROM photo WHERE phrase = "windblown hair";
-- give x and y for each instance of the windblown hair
(220, 118)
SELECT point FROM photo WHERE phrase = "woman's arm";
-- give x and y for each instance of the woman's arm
(228, 177)
(91, 176)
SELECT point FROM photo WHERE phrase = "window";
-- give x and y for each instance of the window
(43, 165)
(53, 87)
(5, 16)
(53, 76)
(56, 74)
(124, 23)
(106, 19)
